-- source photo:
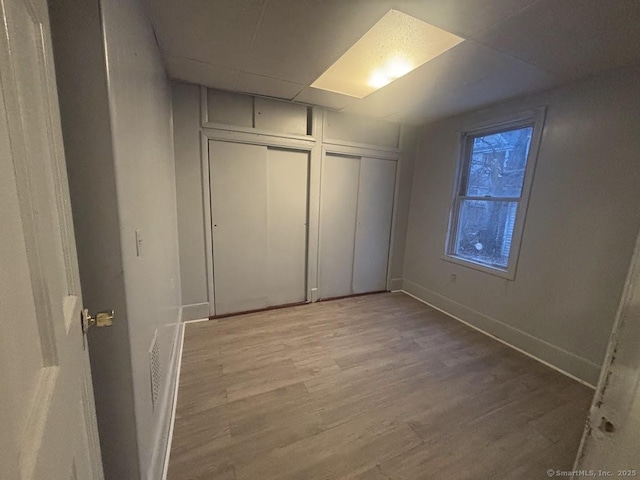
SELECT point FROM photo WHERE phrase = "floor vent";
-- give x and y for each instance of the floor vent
(154, 369)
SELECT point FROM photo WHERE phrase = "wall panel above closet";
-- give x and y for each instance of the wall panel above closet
(263, 114)
(348, 128)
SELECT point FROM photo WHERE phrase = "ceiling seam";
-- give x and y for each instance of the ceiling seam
(254, 36)
(200, 61)
(474, 38)
(489, 27)
(506, 53)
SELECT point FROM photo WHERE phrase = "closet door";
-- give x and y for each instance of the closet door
(259, 223)
(287, 173)
(373, 225)
(338, 203)
(238, 174)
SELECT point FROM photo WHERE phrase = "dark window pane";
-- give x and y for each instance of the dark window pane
(498, 162)
(485, 229)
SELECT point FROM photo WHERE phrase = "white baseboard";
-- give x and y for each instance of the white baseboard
(395, 284)
(166, 411)
(314, 295)
(567, 363)
(174, 403)
(195, 311)
(198, 320)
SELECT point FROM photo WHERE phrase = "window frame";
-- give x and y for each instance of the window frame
(530, 118)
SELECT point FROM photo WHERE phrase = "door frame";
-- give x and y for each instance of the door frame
(265, 140)
(363, 152)
(611, 419)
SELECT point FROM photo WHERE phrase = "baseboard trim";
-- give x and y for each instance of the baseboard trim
(195, 311)
(352, 295)
(567, 363)
(174, 403)
(197, 320)
(314, 295)
(162, 431)
(395, 284)
(257, 310)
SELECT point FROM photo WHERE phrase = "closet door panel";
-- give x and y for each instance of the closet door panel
(287, 173)
(338, 202)
(238, 176)
(373, 226)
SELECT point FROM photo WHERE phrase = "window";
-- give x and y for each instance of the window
(492, 189)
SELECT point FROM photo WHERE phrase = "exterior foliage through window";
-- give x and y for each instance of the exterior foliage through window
(491, 191)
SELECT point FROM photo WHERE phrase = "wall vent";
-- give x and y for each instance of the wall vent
(154, 369)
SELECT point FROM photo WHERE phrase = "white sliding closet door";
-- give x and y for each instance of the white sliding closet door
(239, 223)
(286, 226)
(259, 216)
(373, 226)
(338, 203)
(356, 201)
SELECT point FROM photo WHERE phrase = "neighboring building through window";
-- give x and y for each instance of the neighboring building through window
(492, 189)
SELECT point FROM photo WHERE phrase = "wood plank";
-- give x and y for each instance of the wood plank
(373, 388)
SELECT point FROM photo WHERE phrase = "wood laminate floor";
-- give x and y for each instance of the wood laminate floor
(376, 387)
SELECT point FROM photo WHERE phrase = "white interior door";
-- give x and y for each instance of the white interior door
(259, 223)
(46, 400)
(287, 179)
(373, 225)
(338, 206)
(239, 223)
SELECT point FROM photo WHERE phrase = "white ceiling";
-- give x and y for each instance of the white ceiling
(278, 48)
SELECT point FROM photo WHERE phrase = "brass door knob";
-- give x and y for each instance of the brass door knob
(102, 319)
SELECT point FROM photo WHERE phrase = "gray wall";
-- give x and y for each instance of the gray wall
(119, 147)
(245, 111)
(581, 224)
(86, 128)
(409, 142)
(141, 119)
(186, 121)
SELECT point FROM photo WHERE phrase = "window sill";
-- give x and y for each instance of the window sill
(506, 274)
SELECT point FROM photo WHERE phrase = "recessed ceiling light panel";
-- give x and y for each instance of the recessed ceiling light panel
(396, 45)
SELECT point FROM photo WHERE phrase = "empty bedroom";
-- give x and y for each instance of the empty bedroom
(341, 239)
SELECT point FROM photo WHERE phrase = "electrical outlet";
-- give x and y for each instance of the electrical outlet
(453, 278)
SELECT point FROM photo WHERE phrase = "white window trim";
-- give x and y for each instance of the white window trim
(535, 118)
